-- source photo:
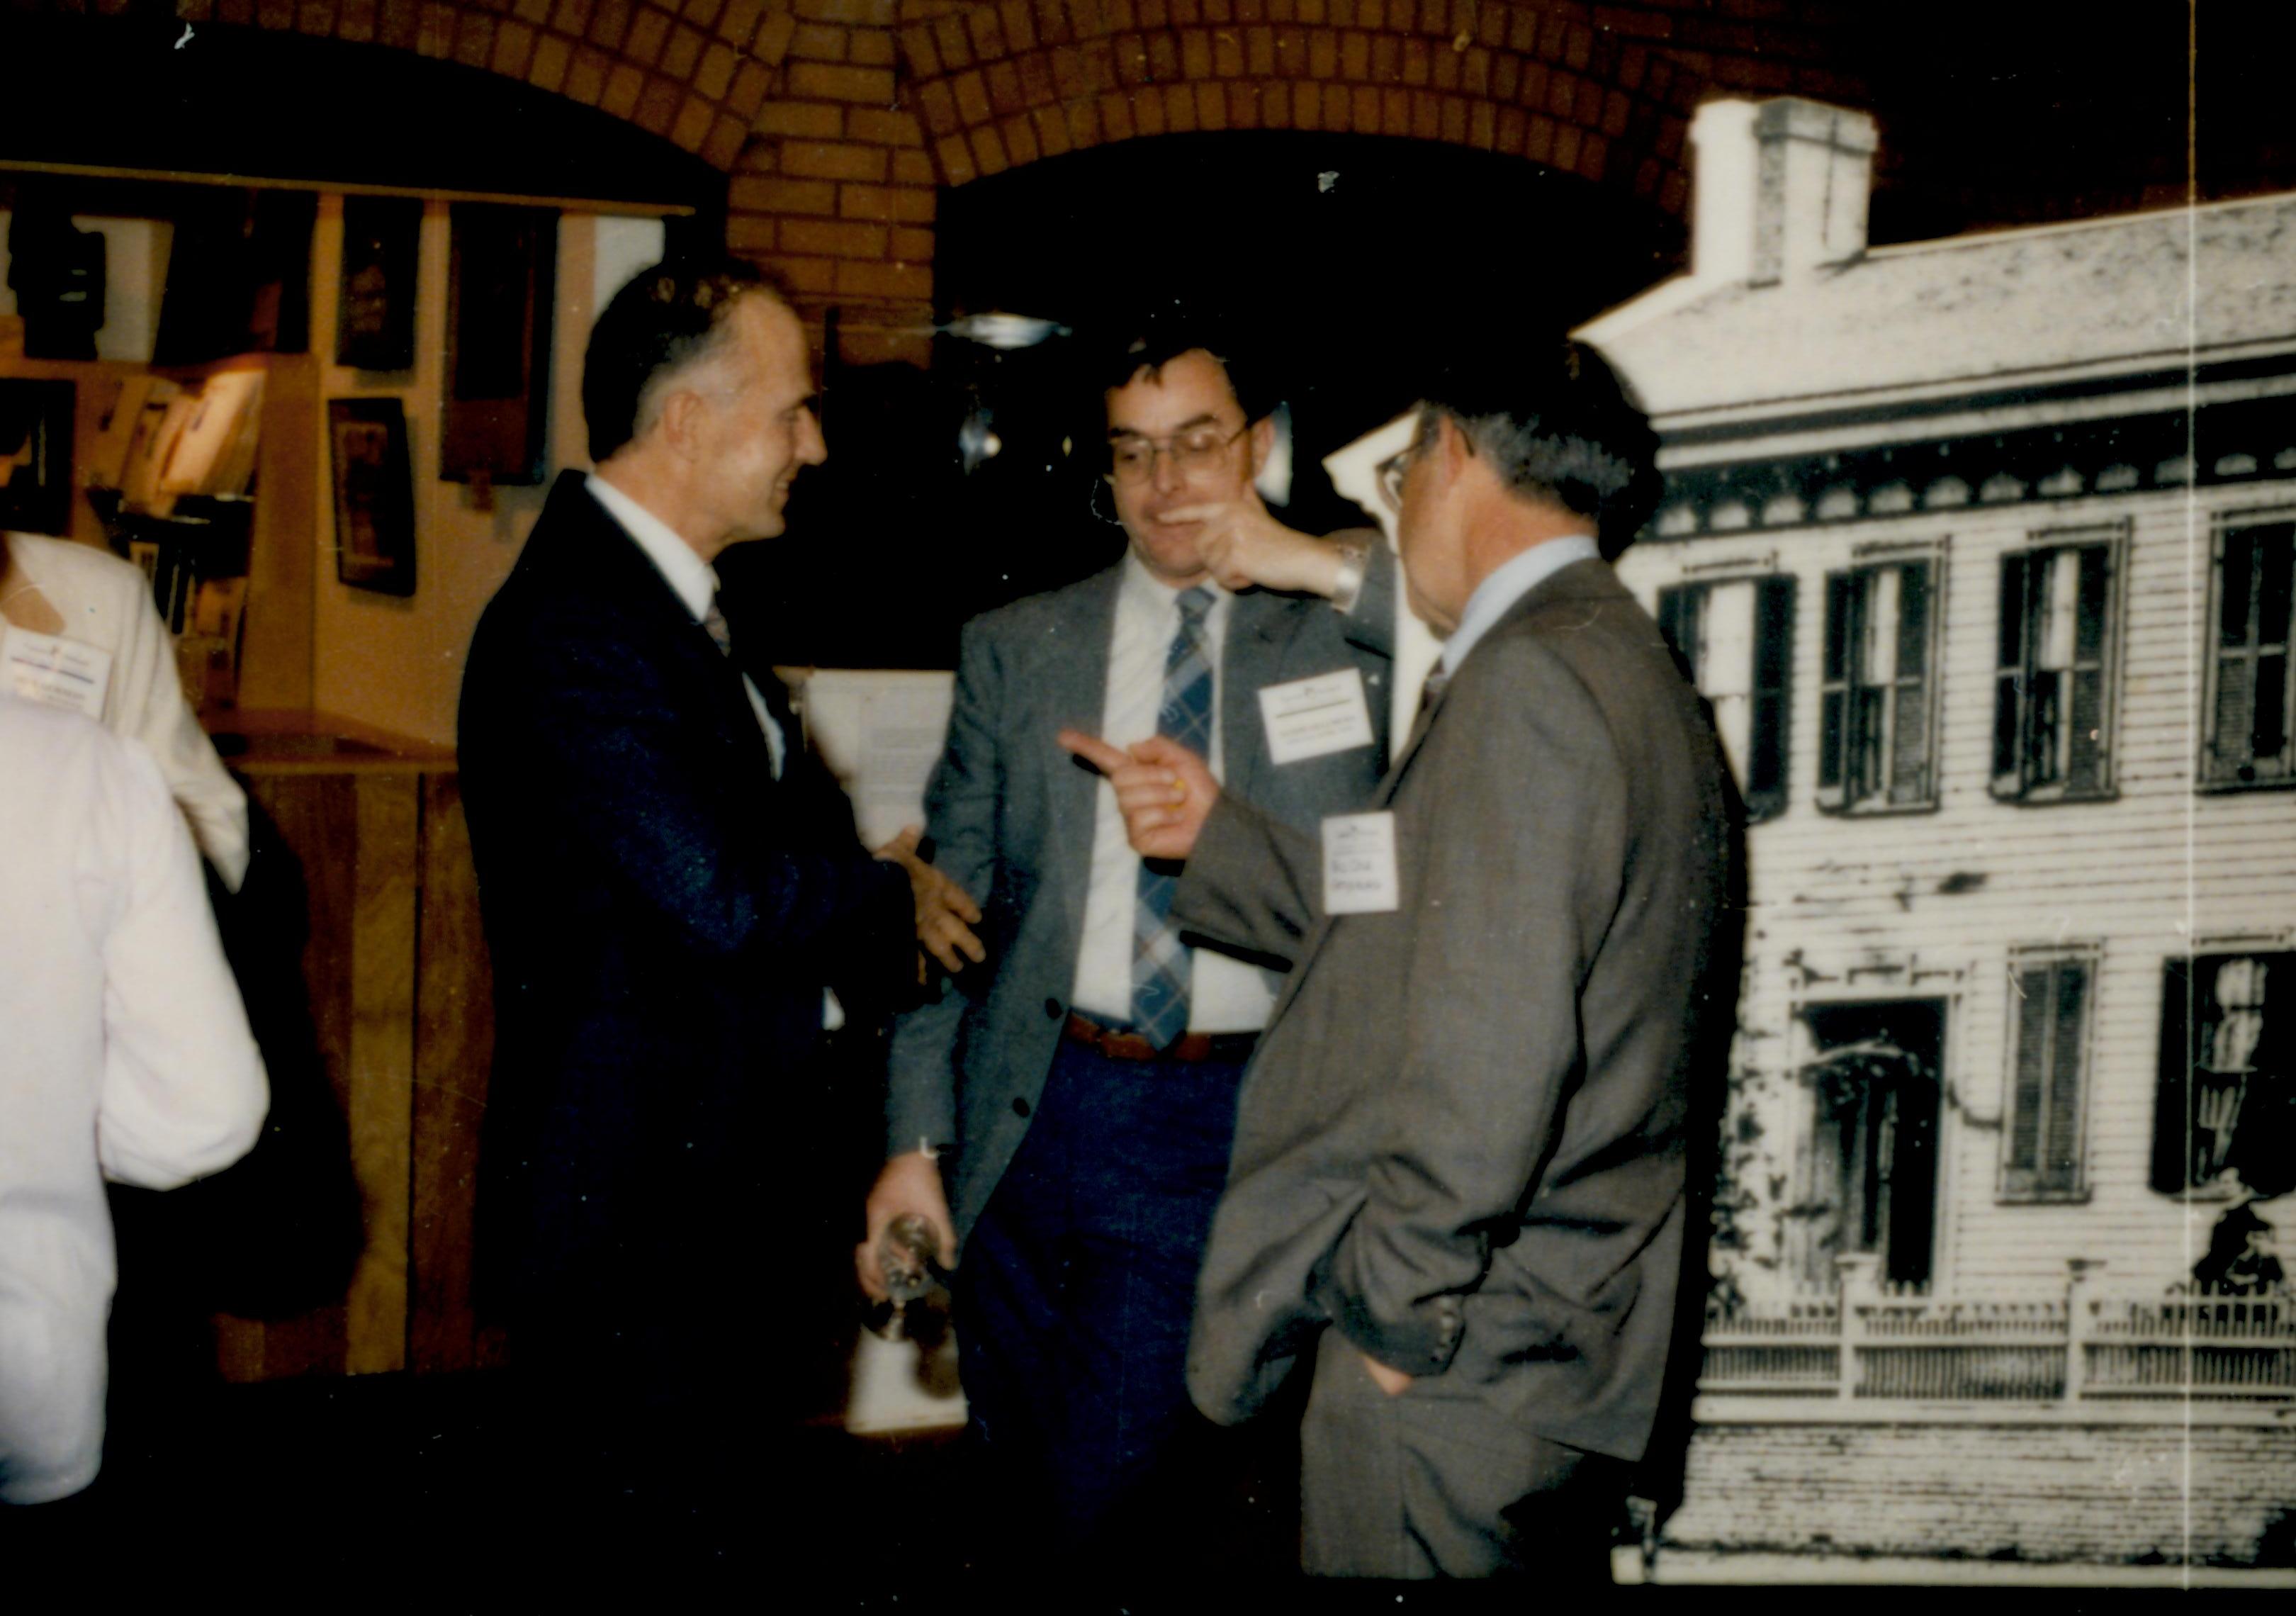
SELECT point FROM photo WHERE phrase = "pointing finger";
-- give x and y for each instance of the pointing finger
(1094, 751)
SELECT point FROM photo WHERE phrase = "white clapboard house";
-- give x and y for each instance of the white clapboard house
(1981, 550)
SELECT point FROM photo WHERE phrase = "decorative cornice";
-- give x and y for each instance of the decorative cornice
(2242, 441)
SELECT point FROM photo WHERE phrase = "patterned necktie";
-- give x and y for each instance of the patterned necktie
(1159, 961)
(714, 620)
(770, 688)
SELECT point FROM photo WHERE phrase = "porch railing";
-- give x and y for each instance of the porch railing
(1866, 1340)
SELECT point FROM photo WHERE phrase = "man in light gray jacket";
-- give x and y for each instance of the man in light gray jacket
(1064, 1112)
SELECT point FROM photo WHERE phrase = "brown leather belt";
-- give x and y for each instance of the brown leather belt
(1131, 1046)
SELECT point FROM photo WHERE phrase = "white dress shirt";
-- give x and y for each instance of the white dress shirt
(1225, 995)
(107, 603)
(126, 1056)
(1508, 583)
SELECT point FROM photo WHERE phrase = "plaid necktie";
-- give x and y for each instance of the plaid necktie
(1159, 961)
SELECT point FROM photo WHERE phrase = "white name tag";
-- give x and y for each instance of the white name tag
(1359, 865)
(54, 671)
(1309, 717)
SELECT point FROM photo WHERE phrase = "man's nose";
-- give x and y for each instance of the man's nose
(812, 447)
(1166, 472)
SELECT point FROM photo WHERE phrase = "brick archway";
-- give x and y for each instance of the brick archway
(1001, 82)
(841, 195)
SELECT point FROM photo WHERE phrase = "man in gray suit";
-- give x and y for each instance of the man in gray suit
(1458, 1185)
(1072, 1099)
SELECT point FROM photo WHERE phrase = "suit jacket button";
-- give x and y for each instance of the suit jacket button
(1020, 1106)
(1053, 1009)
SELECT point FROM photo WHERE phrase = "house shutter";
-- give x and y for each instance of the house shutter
(2060, 1164)
(1773, 703)
(2173, 1105)
(2009, 681)
(1833, 740)
(2085, 753)
(1909, 758)
(2275, 593)
(2033, 1016)
(1678, 620)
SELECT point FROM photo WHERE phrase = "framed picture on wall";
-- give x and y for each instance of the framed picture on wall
(374, 494)
(501, 278)
(374, 319)
(36, 455)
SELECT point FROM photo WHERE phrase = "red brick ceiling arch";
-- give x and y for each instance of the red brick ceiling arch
(996, 83)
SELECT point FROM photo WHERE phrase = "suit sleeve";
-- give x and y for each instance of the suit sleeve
(961, 808)
(1254, 883)
(639, 784)
(1370, 627)
(1522, 852)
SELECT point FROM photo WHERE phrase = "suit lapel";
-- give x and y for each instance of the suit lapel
(1251, 660)
(1071, 668)
(609, 561)
(1589, 582)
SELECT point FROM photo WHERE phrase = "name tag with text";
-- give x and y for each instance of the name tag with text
(1359, 874)
(54, 671)
(1311, 717)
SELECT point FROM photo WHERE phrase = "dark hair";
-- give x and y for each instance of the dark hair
(1559, 424)
(1163, 338)
(667, 318)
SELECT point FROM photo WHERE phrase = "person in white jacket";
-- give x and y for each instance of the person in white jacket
(90, 597)
(125, 1053)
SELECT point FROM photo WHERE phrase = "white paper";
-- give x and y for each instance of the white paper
(880, 732)
(1359, 874)
(54, 671)
(1313, 718)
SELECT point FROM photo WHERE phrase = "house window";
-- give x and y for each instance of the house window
(2249, 690)
(1735, 639)
(2049, 1075)
(1877, 746)
(2227, 1093)
(2053, 683)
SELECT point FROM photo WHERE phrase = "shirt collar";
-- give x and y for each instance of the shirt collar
(1146, 591)
(693, 580)
(1515, 577)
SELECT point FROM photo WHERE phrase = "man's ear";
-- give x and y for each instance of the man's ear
(680, 419)
(1451, 446)
(1263, 442)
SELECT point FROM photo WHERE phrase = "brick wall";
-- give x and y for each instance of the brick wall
(2112, 1494)
(837, 119)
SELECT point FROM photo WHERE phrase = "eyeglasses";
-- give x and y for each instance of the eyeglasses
(1390, 474)
(1132, 458)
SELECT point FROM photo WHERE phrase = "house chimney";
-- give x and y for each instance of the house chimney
(1781, 189)
(1723, 181)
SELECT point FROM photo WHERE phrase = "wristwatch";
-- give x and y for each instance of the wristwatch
(1355, 555)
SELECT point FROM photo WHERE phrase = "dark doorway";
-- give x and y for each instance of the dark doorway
(1338, 260)
(1874, 1173)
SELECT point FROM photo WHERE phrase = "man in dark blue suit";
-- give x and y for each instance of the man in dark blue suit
(677, 907)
